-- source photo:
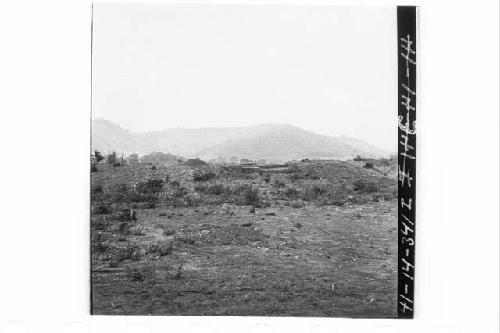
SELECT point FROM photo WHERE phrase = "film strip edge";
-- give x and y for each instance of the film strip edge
(407, 106)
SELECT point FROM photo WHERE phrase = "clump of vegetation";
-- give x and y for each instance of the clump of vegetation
(195, 162)
(217, 189)
(251, 196)
(291, 192)
(98, 156)
(137, 231)
(203, 176)
(126, 215)
(296, 204)
(278, 183)
(96, 189)
(150, 186)
(124, 228)
(99, 247)
(267, 178)
(168, 232)
(313, 192)
(103, 209)
(131, 252)
(161, 249)
(200, 188)
(180, 192)
(144, 272)
(368, 165)
(363, 186)
(111, 158)
(136, 274)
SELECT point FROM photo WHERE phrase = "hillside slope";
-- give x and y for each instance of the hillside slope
(268, 141)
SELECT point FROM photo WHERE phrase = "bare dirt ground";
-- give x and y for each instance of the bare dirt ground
(279, 256)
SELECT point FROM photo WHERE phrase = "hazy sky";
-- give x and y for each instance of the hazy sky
(331, 70)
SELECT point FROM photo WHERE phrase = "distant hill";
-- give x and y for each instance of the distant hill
(272, 142)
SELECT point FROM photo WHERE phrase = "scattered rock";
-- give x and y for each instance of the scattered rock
(162, 214)
(297, 225)
(271, 214)
(246, 224)
(252, 210)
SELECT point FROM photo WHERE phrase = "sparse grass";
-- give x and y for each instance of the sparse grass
(226, 250)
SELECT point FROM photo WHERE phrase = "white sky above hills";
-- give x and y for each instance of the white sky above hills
(330, 70)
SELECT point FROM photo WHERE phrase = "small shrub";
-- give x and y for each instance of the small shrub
(149, 205)
(168, 232)
(142, 273)
(200, 188)
(297, 204)
(180, 192)
(365, 187)
(339, 202)
(368, 165)
(103, 209)
(217, 189)
(278, 183)
(96, 189)
(93, 167)
(127, 215)
(187, 240)
(291, 192)
(137, 231)
(100, 247)
(267, 178)
(99, 225)
(124, 228)
(111, 158)
(313, 192)
(175, 183)
(251, 196)
(161, 249)
(98, 156)
(136, 274)
(203, 177)
(131, 252)
(150, 186)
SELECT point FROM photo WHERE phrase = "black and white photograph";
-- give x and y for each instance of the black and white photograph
(262, 166)
(244, 160)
